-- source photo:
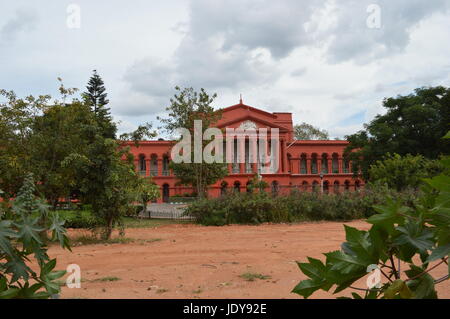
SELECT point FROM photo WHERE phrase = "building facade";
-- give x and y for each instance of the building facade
(304, 165)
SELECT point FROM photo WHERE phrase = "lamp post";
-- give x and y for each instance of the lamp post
(321, 183)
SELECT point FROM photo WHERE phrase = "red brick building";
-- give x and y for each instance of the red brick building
(304, 165)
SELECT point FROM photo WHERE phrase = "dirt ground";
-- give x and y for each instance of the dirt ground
(191, 261)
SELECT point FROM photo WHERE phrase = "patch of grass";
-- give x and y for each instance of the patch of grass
(197, 291)
(108, 278)
(84, 240)
(92, 240)
(250, 276)
(162, 290)
(130, 222)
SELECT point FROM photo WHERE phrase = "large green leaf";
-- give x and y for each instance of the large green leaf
(413, 234)
(421, 283)
(388, 215)
(439, 252)
(5, 234)
(359, 242)
(307, 287)
(29, 230)
(346, 263)
(440, 182)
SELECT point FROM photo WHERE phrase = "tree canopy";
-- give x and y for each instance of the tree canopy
(186, 107)
(413, 124)
(305, 131)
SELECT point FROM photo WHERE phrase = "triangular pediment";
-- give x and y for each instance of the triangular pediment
(248, 120)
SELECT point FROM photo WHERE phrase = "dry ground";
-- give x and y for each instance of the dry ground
(191, 261)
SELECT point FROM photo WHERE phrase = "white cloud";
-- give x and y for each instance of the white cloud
(317, 59)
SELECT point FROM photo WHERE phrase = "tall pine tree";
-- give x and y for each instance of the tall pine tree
(96, 98)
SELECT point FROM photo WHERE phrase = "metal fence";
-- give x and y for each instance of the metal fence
(166, 211)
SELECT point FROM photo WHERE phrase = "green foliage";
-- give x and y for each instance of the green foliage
(79, 219)
(16, 119)
(401, 172)
(186, 107)
(146, 191)
(238, 209)
(250, 276)
(21, 229)
(305, 131)
(248, 208)
(96, 99)
(413, 124)
(108, 182)
(417, 235)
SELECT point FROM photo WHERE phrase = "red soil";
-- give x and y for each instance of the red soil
(191, 261)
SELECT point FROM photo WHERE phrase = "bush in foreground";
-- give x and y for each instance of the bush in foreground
(22, 237)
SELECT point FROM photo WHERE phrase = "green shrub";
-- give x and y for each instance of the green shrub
(245, 208)
(78, 219)
(239, 209)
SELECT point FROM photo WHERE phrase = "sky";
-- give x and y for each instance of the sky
(330, 63)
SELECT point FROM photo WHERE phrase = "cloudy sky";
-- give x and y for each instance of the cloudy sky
(330, 63)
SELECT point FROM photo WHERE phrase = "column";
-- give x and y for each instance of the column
(308, 165)
(340, 165)
(330, 166)
(295, 165)
(147, 167)
(159, 166)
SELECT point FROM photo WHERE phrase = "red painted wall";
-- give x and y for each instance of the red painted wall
(290, 175)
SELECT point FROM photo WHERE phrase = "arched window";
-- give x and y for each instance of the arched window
(142, 165)
(153, 165)
(275, 187)
(314, 164)
(325, 163)
(346, 166)
(223, 188)
(303, 169)
(166, 193)
(335, 164)
(305, 186)
(336, 187)
(237, 187)
(357, 185)
(165, 164)
(315, 186)
(326, 187)
(347, 185)
(249, 187)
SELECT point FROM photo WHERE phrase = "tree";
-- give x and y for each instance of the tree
(418, 236)
(58, 133)
(401, 172)
(107, 180)
(20, 240)
(147, 191)
(96, 98)
(186, 107)
(413, 124)
(16, 120)
(305, 131)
